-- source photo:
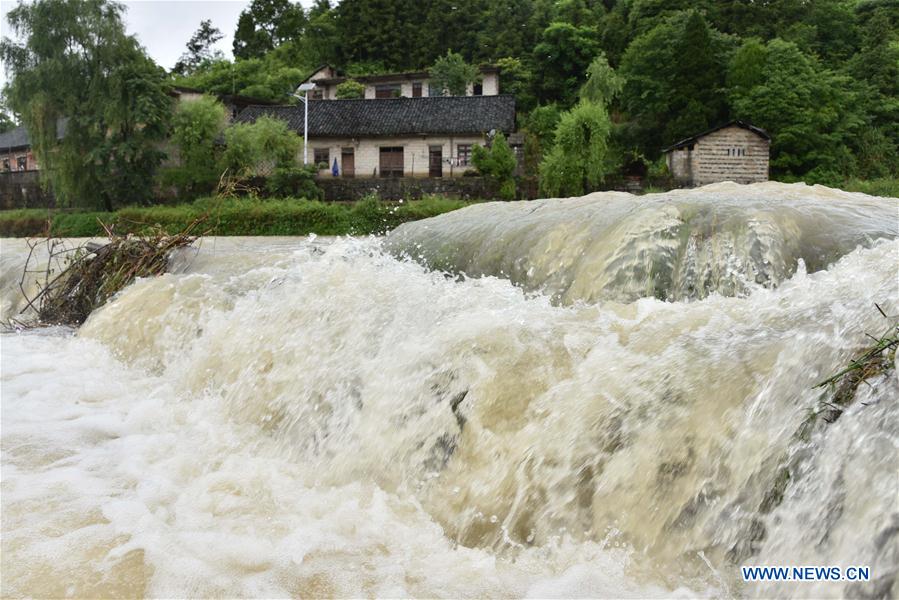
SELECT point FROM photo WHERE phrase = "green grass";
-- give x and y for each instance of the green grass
(245, 216)
(887, 186)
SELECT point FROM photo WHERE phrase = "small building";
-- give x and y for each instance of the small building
(15, 148)
(412, 84)
(396, 137)
(735, 151)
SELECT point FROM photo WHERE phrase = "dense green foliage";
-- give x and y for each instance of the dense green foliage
(451, 75)
(497, 161)
(196, 127)
(247, 216)
(76, 62)
(257, 149)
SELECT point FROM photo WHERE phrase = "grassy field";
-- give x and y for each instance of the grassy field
(232, 217)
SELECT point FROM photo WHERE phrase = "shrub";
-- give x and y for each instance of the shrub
(497, 162)
(298, 182)
(350, 89)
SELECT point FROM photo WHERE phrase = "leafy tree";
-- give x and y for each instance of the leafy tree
(76, 62)
(257, 149)
(674, 80)
(350, 89)
(497, 162)
(265, 25)
(516, 78)
(808, 110)
(579, 161)
(452, 75)
(542, 123)
(262, 78)
(196, 128)
(199, 49)
(603, 83)
(7, 121)
(562, 57)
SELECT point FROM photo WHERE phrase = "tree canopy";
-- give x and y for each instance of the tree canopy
(78, 67)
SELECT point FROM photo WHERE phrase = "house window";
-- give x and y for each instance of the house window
(463, 154)
(321, 156)
(736, 151)
(21, 163)
(318, 94)
(391, 161)
(391, 90)
(416, 89)
(478, 89)
(6, 164)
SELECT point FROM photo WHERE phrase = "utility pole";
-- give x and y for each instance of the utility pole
(305, 88)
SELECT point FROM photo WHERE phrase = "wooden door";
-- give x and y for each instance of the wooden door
(435, 161)
(348, 162)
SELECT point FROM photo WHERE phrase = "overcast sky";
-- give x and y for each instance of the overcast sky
(164, 26)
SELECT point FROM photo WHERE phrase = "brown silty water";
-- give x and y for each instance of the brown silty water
(605, 396)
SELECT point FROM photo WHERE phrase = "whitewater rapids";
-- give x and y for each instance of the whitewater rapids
(594, 397)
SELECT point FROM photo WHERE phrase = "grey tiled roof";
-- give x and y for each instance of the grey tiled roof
(736, 123)
(18, 137)
(395, 116)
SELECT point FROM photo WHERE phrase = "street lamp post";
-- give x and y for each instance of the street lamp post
(305, 88)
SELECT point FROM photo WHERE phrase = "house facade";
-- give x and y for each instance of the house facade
(15, 149)
(735, 151)
(412, 84)
(396, 137)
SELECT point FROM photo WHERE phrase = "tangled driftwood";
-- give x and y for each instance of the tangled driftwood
(74, 281)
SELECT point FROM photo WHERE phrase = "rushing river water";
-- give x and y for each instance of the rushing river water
(607, 396)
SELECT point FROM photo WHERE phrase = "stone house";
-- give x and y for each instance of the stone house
(396, 137)
(735, 151)
(412, 84)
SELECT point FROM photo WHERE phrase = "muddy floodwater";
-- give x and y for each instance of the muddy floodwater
(607, 396)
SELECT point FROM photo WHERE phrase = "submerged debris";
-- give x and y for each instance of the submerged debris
(874, 360)
(74, 281)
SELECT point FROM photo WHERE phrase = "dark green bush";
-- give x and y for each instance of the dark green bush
(294, 182)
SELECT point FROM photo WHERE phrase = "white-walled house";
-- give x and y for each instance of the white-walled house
(411, 84)
(396, 137)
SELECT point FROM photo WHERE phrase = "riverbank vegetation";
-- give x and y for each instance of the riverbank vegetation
(231, 216)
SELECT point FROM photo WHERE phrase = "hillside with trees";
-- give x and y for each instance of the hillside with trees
(822, 77)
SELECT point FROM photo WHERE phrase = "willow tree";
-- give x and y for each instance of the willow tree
(579, 160)
(96, 107)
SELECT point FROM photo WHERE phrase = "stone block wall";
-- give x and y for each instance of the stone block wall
(340, 189)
